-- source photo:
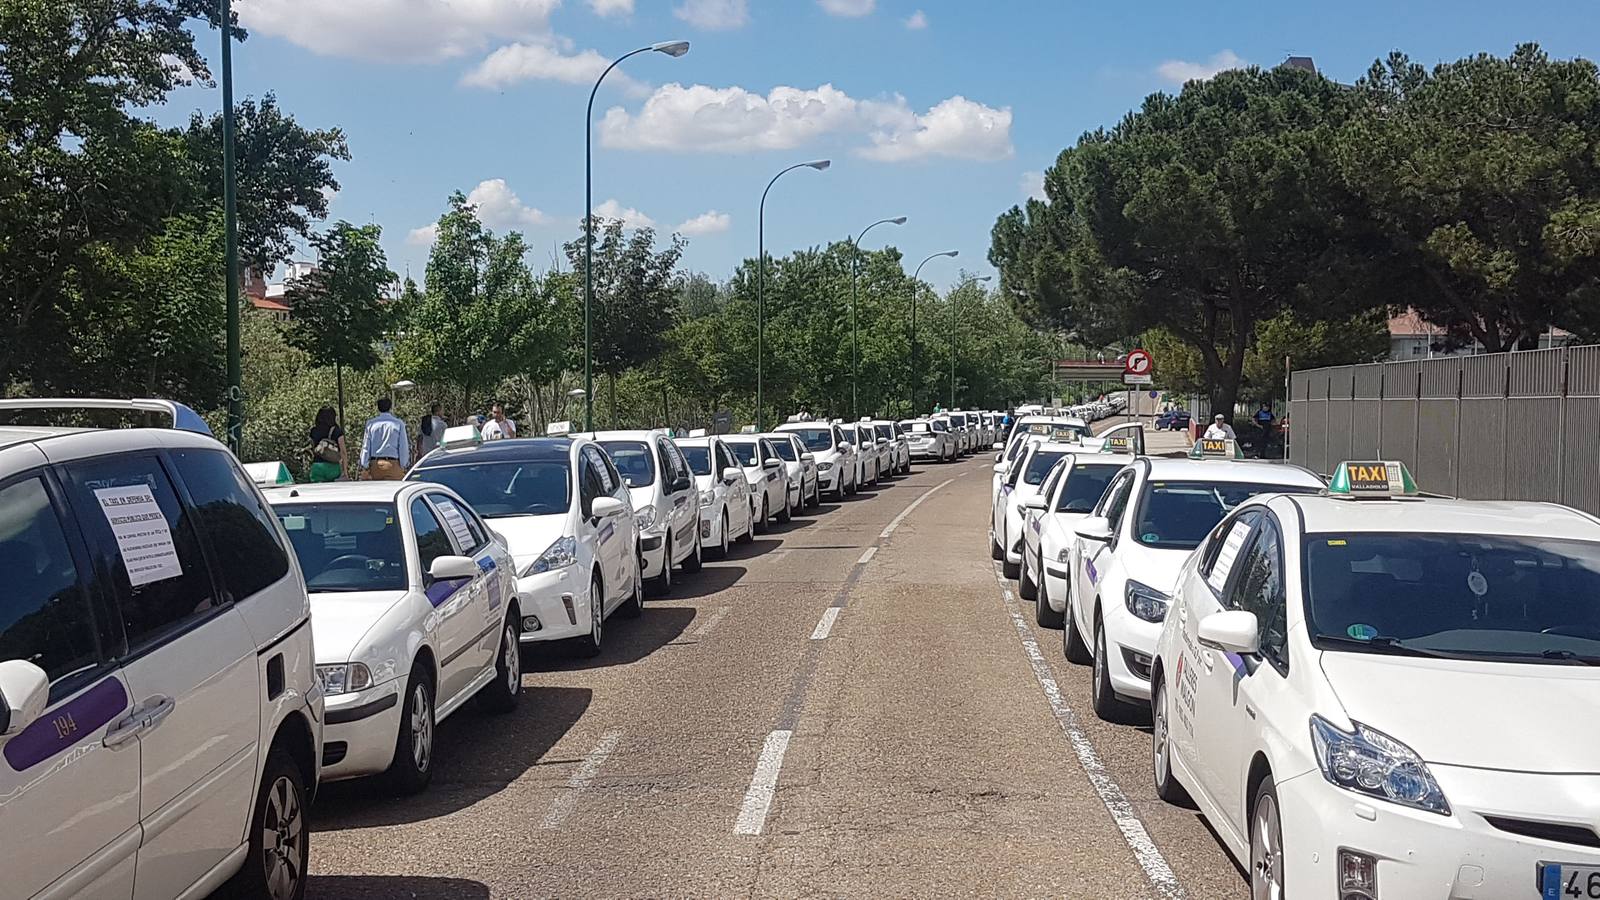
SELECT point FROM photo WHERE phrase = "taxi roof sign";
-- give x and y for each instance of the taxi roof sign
(748, 429)
(1215, 448)
(1372, 479)
(460, 436)
(555, 429)
(267, 474)
(1117, 443)
(697, 432)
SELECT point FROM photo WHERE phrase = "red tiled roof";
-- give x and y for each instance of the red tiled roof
(268, 305)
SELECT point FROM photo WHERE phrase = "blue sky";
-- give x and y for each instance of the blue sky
(944, 111)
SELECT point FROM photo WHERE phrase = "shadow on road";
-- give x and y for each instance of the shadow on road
(710, 580)
(476, 755)
(392, 887)
(626, 640)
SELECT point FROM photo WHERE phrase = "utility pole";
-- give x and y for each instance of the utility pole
(230, 224)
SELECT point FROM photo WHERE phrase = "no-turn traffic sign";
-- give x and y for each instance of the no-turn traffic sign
(1137, 363)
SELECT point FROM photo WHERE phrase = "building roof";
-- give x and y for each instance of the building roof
(266, 305)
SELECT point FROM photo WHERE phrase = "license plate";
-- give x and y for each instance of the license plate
(1566, 881)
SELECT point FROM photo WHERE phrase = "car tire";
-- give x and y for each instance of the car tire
(749, 535)
(695, 561)
(661, 584)
(589, 645)
(787, 515)
(766, 516)
(1167, 787)
(1027, 586)
(412, 766)
(280, 848)
(1106, 704)
(996, 552)
(1072, 644)
(501, 695)
(1007, 568)
(1042, 613)
(633, 607)
(1266, 842)
(721, 551)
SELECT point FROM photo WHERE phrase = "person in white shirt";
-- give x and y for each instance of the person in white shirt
(498, 425)
(1219, 429)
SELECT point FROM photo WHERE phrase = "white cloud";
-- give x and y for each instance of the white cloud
(1180, 71)
(542, 61)
(424, 236)
(630, 217)
(714, 15)
(1032, 185)
(499, 207)
(612, 7)
(396, 30)
(328, 193)
(732, 119)
(917, 21)
(708, 222)
(849, 9)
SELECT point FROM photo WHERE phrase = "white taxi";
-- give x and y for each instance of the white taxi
(1021, 481)
(801, 466)
(928, 440)
(865, 443)
(836, 459)
(1373, 694)
(665, 502)
(725, 510)
(414, 612)
(567, 518)
(765, 475)
(1126, 555)
(1070, 493)
(899, 446)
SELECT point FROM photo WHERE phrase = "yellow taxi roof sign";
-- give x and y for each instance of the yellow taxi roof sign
(1372, 479)
(1215, 448)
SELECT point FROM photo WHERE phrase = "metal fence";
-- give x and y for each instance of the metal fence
(1500, 426)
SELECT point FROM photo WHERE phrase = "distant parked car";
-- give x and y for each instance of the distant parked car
(1173, 420)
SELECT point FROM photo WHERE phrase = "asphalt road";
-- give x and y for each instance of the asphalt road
(854, 705)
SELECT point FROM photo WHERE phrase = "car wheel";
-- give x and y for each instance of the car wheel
(722, 548)
(694, 562)
(996, 552)
(1072, 645)
(749, 535)
(589, 644)
(275, 867)
(787, 515)
(501, 694)
(1106, 704)
(816, 495)
(661, 585)
(1027, 586)
(412, 767)
(1167, 787)
(1042, 613)
(1007, 568)
(633, 607)
(766, 516)
(1266, 845)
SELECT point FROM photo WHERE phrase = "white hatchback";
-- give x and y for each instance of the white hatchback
(1070, 493)
(414, 609)
(766, 476)
(725, 510)
(836, 465)
(665, 502)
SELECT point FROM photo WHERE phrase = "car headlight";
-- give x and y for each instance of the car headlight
(559, 555)
(824, 467)
(1146, 602)
(344, 678)
(645, 518)
(1372, 763)
(707, 498)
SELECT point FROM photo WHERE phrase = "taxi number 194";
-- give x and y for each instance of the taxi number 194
(1558, 881)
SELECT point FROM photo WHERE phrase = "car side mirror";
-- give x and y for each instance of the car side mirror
(999, 468)
(772, 462)
(601, 507)
(1231, 631)
(844, 447)
(1095, 528)
(445, 568)
(808, 457)
(684, 483)
(999, 446)
(24, 692)
(731, 475)
(1037, 501)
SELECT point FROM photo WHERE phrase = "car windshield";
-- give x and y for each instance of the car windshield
(633, 460)
(939, 426)
(785, 448)
(1469, 595)
(1084, 486)
(532, 488)
(744, 452)
(1039, 465)
(1177, 515)
(344, 547)
(699, 458)
(959, 421)
(884, 431)
(815, 438)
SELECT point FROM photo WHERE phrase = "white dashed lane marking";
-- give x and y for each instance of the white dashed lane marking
(825, 625)
(580, 780)
(758, 799)
(711, 623)
(895, 522)
(867, 556)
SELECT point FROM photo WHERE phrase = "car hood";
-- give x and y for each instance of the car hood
(340, 620)
(1155, 567)
(641, 497)
(528, 536)
(1488, 715)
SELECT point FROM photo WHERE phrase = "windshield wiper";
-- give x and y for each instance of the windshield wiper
(1571, 655)
(1380, 644)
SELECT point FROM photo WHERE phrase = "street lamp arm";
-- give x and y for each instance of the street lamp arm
(617, 62)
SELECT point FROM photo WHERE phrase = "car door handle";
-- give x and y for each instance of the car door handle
(146, 716)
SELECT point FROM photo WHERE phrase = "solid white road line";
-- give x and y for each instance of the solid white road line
(895, 522)
(711, 623)
(579, 782)
(758, 799)
(1116, 802)
(825, 625)
(867, 556)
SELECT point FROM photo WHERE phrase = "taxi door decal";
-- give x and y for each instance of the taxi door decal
(443, 589)
(67, 724)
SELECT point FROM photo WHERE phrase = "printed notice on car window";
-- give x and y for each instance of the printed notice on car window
(1218, 579)
(456, 523)
(143, 535)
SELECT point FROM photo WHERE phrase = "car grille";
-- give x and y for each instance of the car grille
(1560, 833)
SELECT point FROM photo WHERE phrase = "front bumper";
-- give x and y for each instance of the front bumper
(1014, 535)
(358, 734)
(559, 600)
(652, 551)
(1427, 856)
(827, 481)
(1130, 644)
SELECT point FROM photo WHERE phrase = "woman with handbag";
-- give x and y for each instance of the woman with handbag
(327, 447)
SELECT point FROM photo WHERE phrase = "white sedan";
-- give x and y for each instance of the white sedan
(766, 476)
(1370, 694)
(835, 458)
(413, 613)
(566, 515)
(1020, 480)
(801, 466)
(1070, 493)
(928, 440)
(665, 502)
(725, 510)
(1126, 556)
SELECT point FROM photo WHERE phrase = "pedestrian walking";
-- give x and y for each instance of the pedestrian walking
(327, 450)
(498, 425)
(1264, 419)
(430, 431)
(385, 449)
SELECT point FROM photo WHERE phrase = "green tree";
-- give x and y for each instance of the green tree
(339, 308)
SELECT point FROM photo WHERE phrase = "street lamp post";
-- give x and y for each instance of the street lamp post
(761, 269)
(855, 272)
(911, 356)
(670, 48)
(966, 281)
(230, 226)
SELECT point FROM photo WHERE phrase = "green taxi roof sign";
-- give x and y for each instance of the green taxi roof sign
(1375, 479)
(1215, 448)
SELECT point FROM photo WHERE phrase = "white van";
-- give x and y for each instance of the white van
(160, 715)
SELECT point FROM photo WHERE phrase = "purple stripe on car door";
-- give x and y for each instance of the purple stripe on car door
(67, 724)
(440, 591)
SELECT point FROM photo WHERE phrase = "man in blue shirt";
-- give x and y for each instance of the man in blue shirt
(385, 449)
(1264, 418)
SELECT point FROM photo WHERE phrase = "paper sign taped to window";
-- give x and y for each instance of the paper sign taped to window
(143, 535)
(457, 525)
(1218, 579)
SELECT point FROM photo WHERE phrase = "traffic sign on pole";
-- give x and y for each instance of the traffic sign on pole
(1138, 362)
